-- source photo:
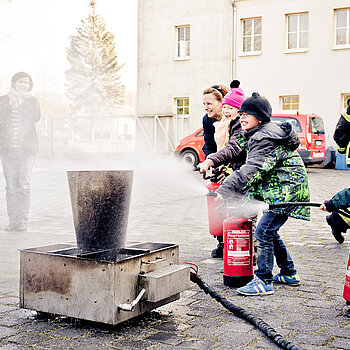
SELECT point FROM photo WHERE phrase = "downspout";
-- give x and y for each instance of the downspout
(234, 31)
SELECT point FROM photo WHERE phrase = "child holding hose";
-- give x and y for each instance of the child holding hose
(273, 172)
(338, 222)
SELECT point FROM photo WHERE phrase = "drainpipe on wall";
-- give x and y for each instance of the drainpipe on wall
(234, 31)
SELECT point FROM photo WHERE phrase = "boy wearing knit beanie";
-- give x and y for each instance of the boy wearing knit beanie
(273, 172)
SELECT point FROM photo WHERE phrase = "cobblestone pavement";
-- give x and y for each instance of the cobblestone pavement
(168, 205)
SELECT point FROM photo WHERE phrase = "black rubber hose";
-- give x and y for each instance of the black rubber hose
(304, 204)
(240, 312)
(293, 204)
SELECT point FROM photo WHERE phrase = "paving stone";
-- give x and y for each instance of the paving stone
(5, 332)
(68, 332)
(38, 326)
(167, 338)
(58, 343)
(27, 338)
(339, 343)
(309, 338)
(197, 344)
(131, 344)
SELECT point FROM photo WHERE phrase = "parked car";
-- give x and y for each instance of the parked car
(190, 147)
(309, 128)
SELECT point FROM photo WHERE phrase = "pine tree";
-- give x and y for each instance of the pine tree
(93, 81)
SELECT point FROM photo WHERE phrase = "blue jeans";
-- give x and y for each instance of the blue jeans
(270, 244)
(17, 171)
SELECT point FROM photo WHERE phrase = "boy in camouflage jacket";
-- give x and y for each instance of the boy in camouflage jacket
(273, 172)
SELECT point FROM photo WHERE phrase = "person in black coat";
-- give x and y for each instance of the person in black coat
(212, 98)
(19, 112)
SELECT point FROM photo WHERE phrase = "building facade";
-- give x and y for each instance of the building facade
(293, 52)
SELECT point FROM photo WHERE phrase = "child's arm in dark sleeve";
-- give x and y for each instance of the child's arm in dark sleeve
(228, 154)
(251, 171)
(340, 201)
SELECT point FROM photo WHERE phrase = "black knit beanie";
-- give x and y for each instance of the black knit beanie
(257, 106)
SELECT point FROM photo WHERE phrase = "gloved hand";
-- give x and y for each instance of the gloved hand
(328, 206)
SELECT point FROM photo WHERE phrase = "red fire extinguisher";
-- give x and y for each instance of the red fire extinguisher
(346, 293)
(215, 220)
(238, 251)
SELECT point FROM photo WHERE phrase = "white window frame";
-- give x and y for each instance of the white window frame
(298, 48)
(252, 35)
(289, 111)
(185, 43)
(343, 104)
(176, 106)
(347, 45)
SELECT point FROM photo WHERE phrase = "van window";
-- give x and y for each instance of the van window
(316, 125)
(294, 122)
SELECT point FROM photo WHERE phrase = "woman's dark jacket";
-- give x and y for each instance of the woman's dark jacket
(274, 172)
(232, 153)
(29, 112)
(209, 130)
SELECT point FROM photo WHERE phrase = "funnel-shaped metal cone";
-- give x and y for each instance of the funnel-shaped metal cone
(100, 204)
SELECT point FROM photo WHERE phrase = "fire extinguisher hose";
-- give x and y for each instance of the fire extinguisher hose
(240, 312)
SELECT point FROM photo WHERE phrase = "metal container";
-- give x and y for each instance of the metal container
(101, 279)
(100, 203)
(101, 286)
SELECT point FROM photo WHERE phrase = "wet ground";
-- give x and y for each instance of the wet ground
(168, 208)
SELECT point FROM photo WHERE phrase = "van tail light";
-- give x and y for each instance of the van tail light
(308, 137)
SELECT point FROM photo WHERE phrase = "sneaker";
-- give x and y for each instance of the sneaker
(21, 226)
(290, 280)
(218, 252)
(11, 227)
(256, 287)
(336, 226)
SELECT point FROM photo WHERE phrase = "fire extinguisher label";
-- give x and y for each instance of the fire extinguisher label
(238, 247)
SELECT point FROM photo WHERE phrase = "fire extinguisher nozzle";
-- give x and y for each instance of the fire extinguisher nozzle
(211, 193)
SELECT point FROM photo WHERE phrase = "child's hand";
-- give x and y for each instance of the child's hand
(218, 198)
(323, 207)
(204, 166)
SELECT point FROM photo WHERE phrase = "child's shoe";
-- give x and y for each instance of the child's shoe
(256, 287)
(337, 225)
(290, 280)
(218, 252)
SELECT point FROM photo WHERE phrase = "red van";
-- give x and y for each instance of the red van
(309, 128)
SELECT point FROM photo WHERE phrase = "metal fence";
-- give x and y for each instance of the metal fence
(120, 134)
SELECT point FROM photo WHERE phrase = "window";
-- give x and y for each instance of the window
(342, 28)
(294, 122)
(251, 35)
(344, 103)
(290, 103)
(182, 106)
(298, 32)
(183, 42)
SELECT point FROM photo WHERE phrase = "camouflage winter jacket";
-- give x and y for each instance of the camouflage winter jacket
(274, 172)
